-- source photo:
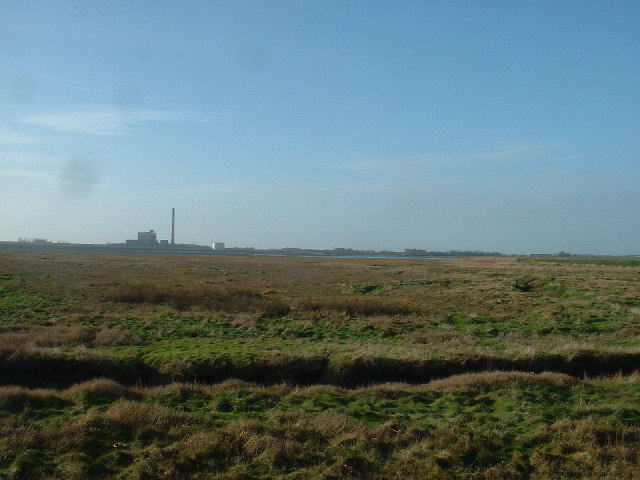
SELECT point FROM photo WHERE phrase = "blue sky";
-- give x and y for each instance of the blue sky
(507, 126)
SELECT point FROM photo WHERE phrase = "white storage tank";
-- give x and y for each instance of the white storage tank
(218, 246)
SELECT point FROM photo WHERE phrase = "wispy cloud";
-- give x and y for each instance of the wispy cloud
(510, 152)
(10, 137)
(22, 160)
(29, 175)
(106, 121)
(21, 77)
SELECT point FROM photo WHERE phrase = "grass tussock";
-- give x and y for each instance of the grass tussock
(228, 299)
(136, 415)
(501, 379)
(173, 393)
(115, 337)
(385, 431)
(97, 391)
(220, 446)
(34, 337)
(15, 399)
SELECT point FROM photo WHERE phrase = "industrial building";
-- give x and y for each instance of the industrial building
(148, 239)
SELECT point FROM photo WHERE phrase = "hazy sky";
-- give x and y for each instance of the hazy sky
(508, 126)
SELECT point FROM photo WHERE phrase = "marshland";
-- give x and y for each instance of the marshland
(171, 367)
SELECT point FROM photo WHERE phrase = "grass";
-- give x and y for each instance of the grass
(613, 262)
(485, 425)
(231, 300)
(145, 366)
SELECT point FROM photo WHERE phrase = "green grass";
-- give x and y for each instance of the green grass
(491, 424)
(123, 366)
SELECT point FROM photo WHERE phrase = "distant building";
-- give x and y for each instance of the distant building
(149, 238)
(218, 246)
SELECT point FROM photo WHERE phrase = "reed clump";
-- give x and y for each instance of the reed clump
(228, 299)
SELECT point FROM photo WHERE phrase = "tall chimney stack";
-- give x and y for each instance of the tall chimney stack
(173, 226)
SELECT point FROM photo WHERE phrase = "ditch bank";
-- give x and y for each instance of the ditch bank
(54, 369)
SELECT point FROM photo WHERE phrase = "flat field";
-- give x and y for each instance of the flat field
(171, 367)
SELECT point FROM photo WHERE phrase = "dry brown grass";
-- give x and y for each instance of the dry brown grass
(15, 398)
(218, 444)
(384, 313)
(115, 337)
(500, 379)
(95, 390)
(236, 299)
(146, 439)
(484, 286)
(173, 392)
(29, 337)
(34, 337)
(136, 415)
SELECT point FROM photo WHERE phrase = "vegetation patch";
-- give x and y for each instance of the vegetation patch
(169, 367)
(504, 424)
(353, 306)
(609, 262)
(232, 300)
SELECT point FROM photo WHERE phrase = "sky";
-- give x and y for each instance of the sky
(510, 126)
